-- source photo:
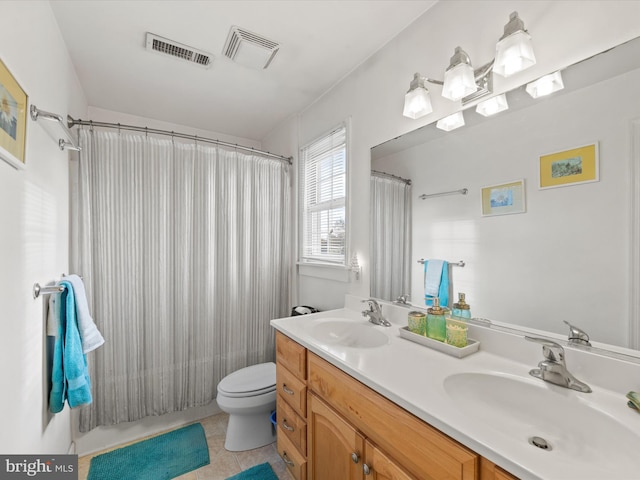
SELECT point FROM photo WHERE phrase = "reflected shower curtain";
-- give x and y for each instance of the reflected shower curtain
(185, 253)
(390, 237)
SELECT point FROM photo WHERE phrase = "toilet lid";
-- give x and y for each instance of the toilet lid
(249, 381)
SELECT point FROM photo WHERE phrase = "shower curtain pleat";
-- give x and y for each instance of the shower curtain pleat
(390, 237)
(185, 254)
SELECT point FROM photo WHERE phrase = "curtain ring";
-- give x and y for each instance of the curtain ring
(91, 126)
(146, 132)
(119, 131)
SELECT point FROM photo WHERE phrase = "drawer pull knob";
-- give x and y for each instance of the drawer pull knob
(355, 457)
(287, 390)
(286, 460)
(285, 426)
(366, 469)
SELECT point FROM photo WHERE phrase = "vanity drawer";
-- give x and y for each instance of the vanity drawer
(429, 455)
(292, 390)
(295, 462)
(291, 355)
(292, 425)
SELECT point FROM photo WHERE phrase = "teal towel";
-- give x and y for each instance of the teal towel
(70, 377)
(443, 291)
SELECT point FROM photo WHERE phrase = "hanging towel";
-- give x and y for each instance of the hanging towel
(436, 282)
(89, 333)
(70, 377)
(52, 318)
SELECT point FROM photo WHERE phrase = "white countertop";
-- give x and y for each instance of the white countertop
(414, 377)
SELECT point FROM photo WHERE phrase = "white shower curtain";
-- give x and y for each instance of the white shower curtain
(390, 237)
(185, 253)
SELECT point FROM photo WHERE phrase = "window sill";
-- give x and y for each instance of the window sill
(337, 273)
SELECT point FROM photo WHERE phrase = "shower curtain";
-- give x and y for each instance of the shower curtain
(390, 237)
(185, 253)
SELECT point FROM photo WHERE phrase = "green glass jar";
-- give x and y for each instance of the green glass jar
(436, 323)
(417, 323)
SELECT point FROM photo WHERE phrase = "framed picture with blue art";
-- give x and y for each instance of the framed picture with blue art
(503, 199)
(13, 119)
(570, 167)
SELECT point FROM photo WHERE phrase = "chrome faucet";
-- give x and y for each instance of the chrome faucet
(402, 299)
(553, 368)
(577, 336)
(375, 313)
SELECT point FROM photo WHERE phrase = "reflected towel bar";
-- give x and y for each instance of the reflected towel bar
(454, 264)
(462, 191)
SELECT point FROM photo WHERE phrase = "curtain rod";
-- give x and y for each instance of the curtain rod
(73, 122)
(385, 174)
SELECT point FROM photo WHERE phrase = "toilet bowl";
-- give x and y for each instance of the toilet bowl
(248, 395)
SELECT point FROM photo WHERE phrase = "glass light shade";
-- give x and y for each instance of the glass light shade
(459, 81)
(514, 54)
(493, 105)
(451, 122)
(545, 85)
(417, 103)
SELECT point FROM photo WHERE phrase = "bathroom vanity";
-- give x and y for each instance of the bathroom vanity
(355, 399)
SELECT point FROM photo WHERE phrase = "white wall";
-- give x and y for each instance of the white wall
(372, 96)
(34, 236)
(567, 256)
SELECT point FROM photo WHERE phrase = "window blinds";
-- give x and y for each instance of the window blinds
(323, 199)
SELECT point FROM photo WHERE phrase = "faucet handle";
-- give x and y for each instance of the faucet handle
(577, 335)
(551, 350)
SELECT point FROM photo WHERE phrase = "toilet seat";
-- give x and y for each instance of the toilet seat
(249, 381)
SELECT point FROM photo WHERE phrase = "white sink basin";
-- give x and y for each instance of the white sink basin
(348, 334)
(523, 408)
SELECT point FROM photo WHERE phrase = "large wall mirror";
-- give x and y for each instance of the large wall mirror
(568, 253)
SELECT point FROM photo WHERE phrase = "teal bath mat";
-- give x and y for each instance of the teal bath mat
(259, 472)
(159, 458)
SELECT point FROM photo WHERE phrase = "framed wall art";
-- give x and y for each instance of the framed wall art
(503, 199)
(13, 119)
(569, 167)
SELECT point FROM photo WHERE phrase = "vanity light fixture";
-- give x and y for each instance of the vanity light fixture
(545, 85)
(514, 53)
(493, 105)
(451, 122)
(417, 102)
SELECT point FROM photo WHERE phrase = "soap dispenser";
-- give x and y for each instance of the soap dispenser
(461, 308)
(436, 323)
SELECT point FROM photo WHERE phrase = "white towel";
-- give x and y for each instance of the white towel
(52, 319)
(432, 277)
(91, 337)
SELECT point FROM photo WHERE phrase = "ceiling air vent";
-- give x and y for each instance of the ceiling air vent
(249, 49)
(165, 46)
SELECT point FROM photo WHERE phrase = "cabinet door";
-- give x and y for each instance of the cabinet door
(334, 447)
(378, 466)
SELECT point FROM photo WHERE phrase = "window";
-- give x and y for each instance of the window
(323, 180)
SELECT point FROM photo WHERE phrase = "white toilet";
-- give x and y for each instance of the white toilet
(249, 396)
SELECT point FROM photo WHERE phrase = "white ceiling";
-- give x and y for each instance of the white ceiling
(320, 43)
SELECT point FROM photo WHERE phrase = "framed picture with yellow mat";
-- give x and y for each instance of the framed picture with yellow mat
(570, 167)
(13, 119)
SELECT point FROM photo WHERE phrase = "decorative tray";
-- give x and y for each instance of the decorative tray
(472, 346)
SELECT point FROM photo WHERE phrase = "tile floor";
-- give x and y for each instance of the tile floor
(223, 463)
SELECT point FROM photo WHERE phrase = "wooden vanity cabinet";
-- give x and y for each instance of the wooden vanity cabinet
(291, 404)
(353, 432)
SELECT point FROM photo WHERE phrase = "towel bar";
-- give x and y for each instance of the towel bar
(454, 264)
(38, 290)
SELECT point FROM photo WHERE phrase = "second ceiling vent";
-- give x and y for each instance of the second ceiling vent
(249, 49)
(156, 43)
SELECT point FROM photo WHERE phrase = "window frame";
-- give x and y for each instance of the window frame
(322, 260)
